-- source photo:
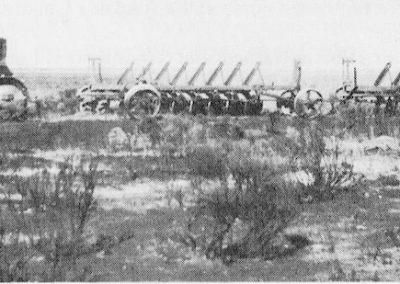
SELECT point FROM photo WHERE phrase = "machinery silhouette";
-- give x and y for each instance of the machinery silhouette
(14, 99)
(143, 98)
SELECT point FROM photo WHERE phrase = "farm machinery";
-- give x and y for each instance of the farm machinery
(388, 96)
(151, 98)
(14, 99)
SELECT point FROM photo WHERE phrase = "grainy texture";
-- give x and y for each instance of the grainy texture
(116, 175)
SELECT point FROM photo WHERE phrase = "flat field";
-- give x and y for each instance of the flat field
(341, 176)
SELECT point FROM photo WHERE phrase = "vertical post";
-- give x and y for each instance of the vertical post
(3, 51)
(99, 70)
(297, 74)
(343, 71)
(4, 71)
(346, 71)
(371, 131)
(355, 77)
(92, 66)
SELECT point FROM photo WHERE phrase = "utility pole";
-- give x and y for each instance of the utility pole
(93, 62)
(346, 62)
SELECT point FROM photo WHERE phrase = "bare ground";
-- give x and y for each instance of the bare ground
(348, 234)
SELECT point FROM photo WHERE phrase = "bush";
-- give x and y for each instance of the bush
(43, 226)
(391, 180)
(358, 118)
(330, 175)
(47, 135)
(69, 100)
(151, 127)
(207, 161)
(262, 212)
(226, 128)
(175, 130)
(240, 220)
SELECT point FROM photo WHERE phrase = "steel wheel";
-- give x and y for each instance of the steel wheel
(143, 103)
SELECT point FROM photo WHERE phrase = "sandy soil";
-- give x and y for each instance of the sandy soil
(345, 239)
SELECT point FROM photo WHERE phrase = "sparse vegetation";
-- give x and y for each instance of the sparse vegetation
(210, 199)
(44, 226)
(259, 205)
(362, 120)
(391, 180)
(207, 162)
(328, 175)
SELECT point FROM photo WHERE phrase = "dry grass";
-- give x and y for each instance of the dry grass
(222, 152)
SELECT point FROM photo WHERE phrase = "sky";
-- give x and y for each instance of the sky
(64, 33)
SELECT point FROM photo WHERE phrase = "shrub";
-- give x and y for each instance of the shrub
(175, 130)
(391, 180)
(230, 223)
(43, 231)
(70, 101)
(241, 220)
(150, 126)
(227, 128)
(206, 161)
(47, 135)
(273, 122)
(331, 176)
(358, 118)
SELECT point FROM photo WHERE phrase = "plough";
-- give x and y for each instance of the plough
(377, 94)
(150, 98)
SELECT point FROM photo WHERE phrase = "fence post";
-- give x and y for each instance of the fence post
(371, 131)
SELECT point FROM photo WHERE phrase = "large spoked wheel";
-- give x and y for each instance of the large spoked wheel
(143, 103)
(287, 100)
(341, 94)
(13, 99)
(308, 103)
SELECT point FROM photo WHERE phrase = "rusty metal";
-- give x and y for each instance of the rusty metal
(126, 72)
(383, 73)
(162, 72)
(147, 99)
(4, 70)
(196, 74)
(179, 74)
(233, 74)
(215, 74)
(375, 93)
(15, 103)
(144, 72)
(251, 74)
(396, 80)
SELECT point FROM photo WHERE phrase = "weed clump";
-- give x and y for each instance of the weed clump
(330, 174)
(390, 180)
(43, 226)
(246, 213)
(207, 162)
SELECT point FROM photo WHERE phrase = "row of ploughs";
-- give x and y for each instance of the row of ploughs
(214, 102)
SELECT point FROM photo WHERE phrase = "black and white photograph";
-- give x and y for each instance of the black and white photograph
(212, 140)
